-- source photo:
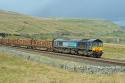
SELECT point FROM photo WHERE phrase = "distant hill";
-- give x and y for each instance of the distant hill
(14, 23)
(123, 27)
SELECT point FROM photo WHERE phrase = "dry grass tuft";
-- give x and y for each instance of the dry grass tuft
(16, 70)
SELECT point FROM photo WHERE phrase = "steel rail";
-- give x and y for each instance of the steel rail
(102, 60)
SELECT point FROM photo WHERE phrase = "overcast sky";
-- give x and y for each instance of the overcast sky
(109, 9)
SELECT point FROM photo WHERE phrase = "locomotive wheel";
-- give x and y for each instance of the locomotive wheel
(73, 51)
(96, 55)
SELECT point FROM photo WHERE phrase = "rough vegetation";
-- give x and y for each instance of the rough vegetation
(114, 51)
(16, 23)
(82, 66)
(49, 28)
(16, 70)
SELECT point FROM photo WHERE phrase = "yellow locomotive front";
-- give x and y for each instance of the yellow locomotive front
(97, 48)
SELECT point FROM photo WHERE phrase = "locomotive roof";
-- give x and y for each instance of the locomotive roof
(68, 40)
(93, 40)
(82, 40)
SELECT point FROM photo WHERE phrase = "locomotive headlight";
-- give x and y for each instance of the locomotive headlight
(97, 49)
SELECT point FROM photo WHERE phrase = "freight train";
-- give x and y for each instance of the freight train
(85, 47)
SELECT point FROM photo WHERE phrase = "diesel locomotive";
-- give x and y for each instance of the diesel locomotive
(87, 47)
(84, 47)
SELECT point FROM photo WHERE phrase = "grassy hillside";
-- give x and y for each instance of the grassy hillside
(16, 23)
(114, 51)
(43, 28)
(16, 70)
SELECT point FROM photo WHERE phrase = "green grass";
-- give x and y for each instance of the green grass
(16, 70)
(15, 23)
(49, 28)
(114, 51)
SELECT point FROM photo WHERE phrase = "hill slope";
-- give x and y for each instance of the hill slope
(11, 22)
(16, 23)
(16, 70)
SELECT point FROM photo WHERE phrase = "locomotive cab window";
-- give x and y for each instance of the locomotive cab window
(97, 43)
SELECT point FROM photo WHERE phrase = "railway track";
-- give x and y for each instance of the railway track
(102, 60)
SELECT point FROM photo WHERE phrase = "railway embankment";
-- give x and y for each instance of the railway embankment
(64, 63)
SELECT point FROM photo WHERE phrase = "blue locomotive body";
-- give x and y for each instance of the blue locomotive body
(88, 47)
(70, 44)
(65, 43)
